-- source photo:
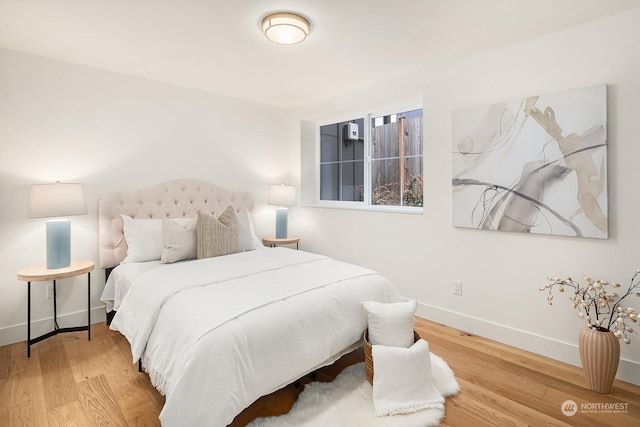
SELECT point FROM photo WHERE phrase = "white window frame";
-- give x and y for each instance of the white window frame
(366, 203)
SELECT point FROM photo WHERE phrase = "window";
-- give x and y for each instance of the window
(380, 164)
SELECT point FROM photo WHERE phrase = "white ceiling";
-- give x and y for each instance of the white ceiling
(217, 45)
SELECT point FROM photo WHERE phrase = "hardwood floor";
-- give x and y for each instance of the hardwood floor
(69, 381)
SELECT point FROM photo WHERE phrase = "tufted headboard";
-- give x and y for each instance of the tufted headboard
(172, 199)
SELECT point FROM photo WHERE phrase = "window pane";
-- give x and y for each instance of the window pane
(397, 135)
(329, 181)
(329, 143)
(352, 148)
(353, 181)
(412, 190)
(387, 176)
(412, 124)
(385, 182)
(384, 141)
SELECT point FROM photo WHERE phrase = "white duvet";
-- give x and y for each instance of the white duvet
(218, 333)
(120, 280)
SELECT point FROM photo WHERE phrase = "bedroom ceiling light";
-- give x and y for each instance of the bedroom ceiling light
(285, 27)
(56, 200)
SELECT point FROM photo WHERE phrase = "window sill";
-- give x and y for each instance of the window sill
(368, 208)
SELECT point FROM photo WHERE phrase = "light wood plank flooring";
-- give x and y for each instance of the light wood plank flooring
(69, 381)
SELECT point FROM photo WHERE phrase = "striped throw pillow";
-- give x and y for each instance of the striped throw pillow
(218, 236)
(179, 240)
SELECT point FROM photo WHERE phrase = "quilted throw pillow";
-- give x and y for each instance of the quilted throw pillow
(218, 236)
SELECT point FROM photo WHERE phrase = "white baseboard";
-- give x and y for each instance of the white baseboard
(628, 370)
(17, 333)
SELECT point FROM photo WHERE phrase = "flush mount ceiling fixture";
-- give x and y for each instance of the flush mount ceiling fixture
(285, 27)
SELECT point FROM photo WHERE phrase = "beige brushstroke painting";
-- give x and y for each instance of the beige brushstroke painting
(533, 165)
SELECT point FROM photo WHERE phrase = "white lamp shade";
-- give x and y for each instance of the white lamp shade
(285, 28)
(282, 195)
(51, 200)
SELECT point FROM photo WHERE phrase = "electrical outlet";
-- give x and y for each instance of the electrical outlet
(49, 291)
(457, 287)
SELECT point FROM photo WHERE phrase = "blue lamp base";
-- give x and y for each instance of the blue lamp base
(58, 243)
(281, 223)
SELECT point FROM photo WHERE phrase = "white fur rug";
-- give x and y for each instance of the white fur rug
(348, 401)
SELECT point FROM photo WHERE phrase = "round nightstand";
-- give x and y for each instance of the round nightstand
(272, 242)
(39, 273)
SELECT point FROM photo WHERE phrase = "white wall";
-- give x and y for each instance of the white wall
(501, 272)
(60, 121)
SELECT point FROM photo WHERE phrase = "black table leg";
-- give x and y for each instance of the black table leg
(55, 307)
(89, 306)
(29, 319)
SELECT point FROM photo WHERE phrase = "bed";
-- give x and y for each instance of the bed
(215, 334)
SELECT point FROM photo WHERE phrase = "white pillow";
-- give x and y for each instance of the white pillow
(254, 237)
(402, 380)
(391, 324)
(179, 241)
(246, 237)
(144, 238)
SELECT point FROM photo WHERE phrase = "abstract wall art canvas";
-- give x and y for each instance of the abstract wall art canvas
(533, 165)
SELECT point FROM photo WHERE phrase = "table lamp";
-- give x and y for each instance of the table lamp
(57, 200)
(282, 196)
